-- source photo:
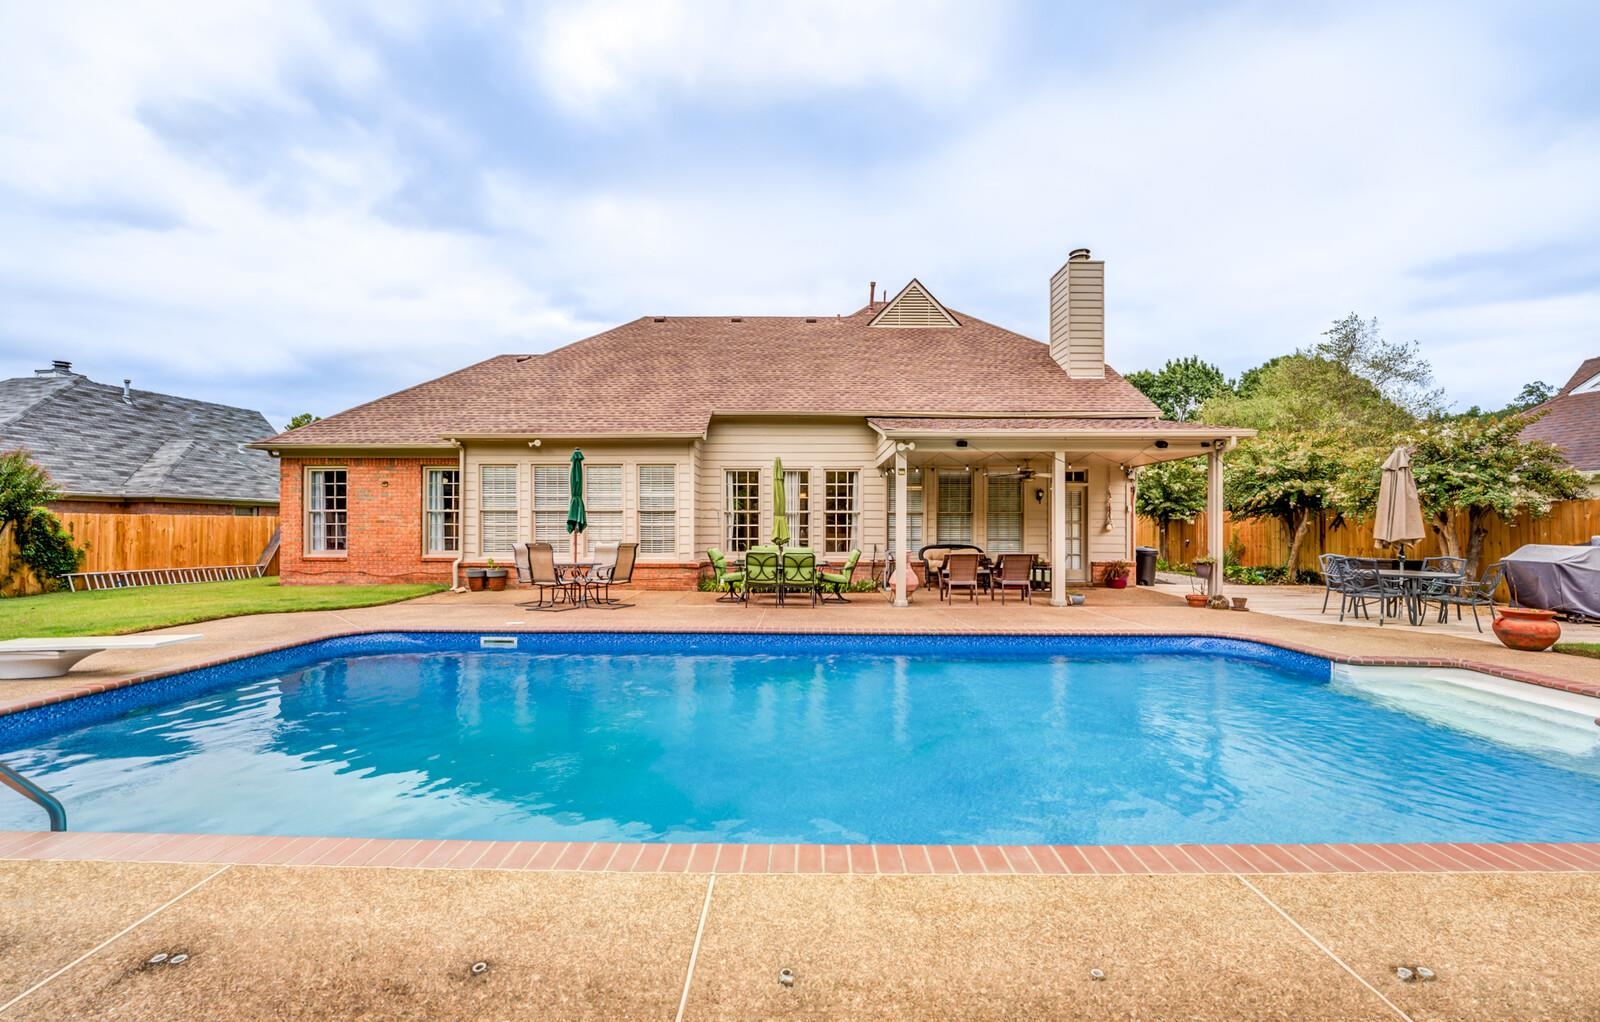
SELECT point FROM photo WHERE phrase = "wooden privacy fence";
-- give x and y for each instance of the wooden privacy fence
(1266, 541)
(148, 542)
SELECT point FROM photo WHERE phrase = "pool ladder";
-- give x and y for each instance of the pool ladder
(27, 789)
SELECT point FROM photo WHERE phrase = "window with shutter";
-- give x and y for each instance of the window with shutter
(497, 509)
(551, 498)
(658, 504)
(1003, 520)
(602, 503)
(955, 507)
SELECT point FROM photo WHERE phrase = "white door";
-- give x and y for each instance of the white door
(1077, 566)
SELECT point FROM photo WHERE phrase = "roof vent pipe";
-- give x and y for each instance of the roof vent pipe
(1077, 255)
(872, 295)
(127, 391)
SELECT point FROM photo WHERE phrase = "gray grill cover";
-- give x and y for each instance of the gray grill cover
(1564, 578)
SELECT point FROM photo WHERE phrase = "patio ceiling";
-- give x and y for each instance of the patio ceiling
(1129, 442)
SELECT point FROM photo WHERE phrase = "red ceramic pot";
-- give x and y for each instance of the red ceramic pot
(1526, 629)
(1118, 582)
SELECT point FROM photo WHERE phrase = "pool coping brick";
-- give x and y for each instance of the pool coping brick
(791, 859)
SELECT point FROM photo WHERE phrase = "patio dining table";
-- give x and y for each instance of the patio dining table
(576, 571)
(1411, 583)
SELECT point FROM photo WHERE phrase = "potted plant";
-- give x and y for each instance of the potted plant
(475, 579)
(1203, 567)
(1117, 574)
(494, 577)
(1195, 599)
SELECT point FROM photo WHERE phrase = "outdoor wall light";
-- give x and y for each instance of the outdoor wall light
(536, 443)
(1161, 445)
(1038, 495)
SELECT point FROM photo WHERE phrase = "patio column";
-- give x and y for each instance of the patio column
(1058, 529)
(902, 555)
(1214, 540)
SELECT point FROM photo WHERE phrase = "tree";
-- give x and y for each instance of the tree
(43, 545)
(1171, 491)
(303, 419)
(1467, 468)
(1306, 393)
(1396, 369)
(1181, 386)
(1292, 477)
(1531, 395)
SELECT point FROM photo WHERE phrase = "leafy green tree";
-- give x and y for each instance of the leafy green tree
(1171, 491)
(1396, 369)
(1293, 478)
(1532, 395)
(1467, 468)
(1181, 386)
(1306, 394)
(42, 544)
(303, 419)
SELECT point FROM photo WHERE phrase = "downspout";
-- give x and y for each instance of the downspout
(461, 531)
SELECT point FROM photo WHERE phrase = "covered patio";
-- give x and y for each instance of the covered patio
(1071, 481)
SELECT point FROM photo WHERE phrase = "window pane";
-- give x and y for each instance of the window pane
(497, 495)
(1004, 517)
(499, 531)
(602, 488)
(913, 509)
(658, 524)
(551, 494)
(443, 520)
(325, 510)
(955, 507)
(840, 513)
(797, 506)
(742, 511)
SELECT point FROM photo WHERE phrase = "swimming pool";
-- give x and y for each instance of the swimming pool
(802, 738)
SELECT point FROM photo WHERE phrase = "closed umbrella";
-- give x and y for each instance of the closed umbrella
(577, 516)
(780, 512)
(1399, 517)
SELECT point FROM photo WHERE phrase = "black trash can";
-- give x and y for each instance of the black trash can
(1144, 565)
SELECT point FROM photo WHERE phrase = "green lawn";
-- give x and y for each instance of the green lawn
(1590, 649)
(118, 611)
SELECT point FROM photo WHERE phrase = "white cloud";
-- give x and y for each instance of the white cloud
(611, 56)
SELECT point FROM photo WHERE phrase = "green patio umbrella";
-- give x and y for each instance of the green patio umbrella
(780, 512)
(577, 516)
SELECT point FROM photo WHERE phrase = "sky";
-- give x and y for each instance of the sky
(297, 206)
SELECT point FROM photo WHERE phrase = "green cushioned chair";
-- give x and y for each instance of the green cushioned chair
(728, 582)
(760, 571)
(840, 580)
(800, 573)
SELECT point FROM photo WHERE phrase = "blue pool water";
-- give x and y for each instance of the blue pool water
(772, 738)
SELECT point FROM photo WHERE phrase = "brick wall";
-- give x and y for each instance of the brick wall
(385, 524)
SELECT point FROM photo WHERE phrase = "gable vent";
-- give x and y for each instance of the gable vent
(914, 306)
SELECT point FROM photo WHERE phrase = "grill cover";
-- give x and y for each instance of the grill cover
(1563, 578)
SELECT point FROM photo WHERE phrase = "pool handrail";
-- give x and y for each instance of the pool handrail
(27, 789)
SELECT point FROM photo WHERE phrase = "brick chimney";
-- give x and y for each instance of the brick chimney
(1078, 316)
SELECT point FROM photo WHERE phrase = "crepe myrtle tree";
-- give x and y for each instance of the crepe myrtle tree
(1171, 491)
(43, 545)
(1467, 468)
(1294, 478)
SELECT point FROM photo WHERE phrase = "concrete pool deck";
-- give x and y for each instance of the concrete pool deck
(292, 928)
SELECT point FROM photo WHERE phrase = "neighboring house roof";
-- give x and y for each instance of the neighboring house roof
(1571, 419)
(148, 447)
(667, 376)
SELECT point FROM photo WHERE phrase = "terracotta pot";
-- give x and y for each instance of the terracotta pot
(1195, 599)
(1118, 582)
(495, 579)
(1526, 629)
(475, 579)
(1239, 602)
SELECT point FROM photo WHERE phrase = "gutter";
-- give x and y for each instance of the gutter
(461, 526)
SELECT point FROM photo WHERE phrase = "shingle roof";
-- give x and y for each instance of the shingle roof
(154, 446)
(1049, 425)
(670, 375)
(1572, 421)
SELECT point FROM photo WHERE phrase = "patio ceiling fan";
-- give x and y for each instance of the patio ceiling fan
(1022, 471)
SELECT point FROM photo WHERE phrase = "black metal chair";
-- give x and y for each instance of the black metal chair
(1365, 584)
(1470, 594)
(1333, 576)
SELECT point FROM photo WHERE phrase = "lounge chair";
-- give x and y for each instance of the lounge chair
(840, 580)
(800, 574)
(618, 573)
(960, 572)
(1015, 571)
(51, 658)
(728, 582)
(543, 575)
(760, 571)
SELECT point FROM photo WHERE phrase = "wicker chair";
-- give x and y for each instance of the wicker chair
(1015, 571)
(544, 577)
(960, 572)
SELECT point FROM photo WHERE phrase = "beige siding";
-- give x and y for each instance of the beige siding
(1078, 318)
(815, 446)
(630, 456)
